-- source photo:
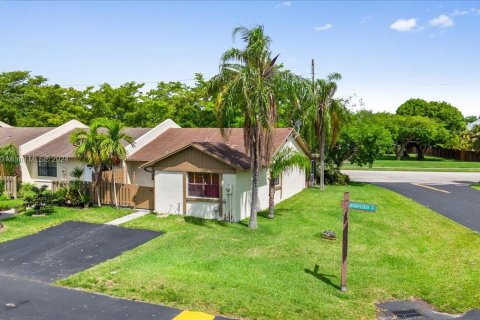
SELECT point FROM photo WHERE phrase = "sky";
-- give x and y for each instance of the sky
(387, 52)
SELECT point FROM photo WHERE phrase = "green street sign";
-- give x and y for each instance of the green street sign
(362, 206)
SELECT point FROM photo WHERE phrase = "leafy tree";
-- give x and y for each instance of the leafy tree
(362, 142)
(87, 145)
(250, 83)
(284, 160)
(113, 150)
(442, 112)
(474, 138)
(428, 135)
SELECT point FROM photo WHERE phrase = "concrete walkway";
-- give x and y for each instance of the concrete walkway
(137, 214)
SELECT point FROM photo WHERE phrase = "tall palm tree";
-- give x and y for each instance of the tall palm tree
(87, 145)
(249, 83)
(284, 160)
(324, 114)
(112, 148)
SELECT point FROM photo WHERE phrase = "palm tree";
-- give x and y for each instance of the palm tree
(8, 159)
(323, 115)
(112, 149)
(284, 160)
(87, 145)
(249, 83)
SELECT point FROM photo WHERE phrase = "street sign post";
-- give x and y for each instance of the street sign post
(346, 205)
(362, 206)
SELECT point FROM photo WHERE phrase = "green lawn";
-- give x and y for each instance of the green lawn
(22, 225)
(389, 163)
(404, 250)
(476, 186)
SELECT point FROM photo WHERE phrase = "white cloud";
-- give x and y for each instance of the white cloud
(324, 27)
(284, 4)
(441, 21)
(475, 11)
(403, 25)
(457, 12)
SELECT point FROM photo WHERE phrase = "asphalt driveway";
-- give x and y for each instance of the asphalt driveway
(447, 193)
(29, 265)
(67, 249)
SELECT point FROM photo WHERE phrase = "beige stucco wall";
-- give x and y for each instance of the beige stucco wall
(64, 168)
(141, 177)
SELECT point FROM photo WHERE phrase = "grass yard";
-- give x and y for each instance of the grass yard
(22, 225)
(389, 163)
(285, 270)
(476, 186)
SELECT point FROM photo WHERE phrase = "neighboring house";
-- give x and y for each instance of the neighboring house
(55, 159)
(197, 173)
(191, 171)
(47, 154)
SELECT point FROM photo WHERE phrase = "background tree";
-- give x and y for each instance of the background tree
(112, 148)
(249, 83)
(441, 112)
(362, 141)
(283, 161)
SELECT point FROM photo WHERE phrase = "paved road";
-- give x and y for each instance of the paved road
(447, 193)
(29, 265)
(415, 177)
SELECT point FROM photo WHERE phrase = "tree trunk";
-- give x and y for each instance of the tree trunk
(271, 198)
(97, 180)
(115, 199)
(255, 173)
(322, 157)
(398, 152)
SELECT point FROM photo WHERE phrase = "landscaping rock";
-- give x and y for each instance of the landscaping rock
(329, 235)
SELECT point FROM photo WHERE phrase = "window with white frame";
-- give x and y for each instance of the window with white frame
(203, 185)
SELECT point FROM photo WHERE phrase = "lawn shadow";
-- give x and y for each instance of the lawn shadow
(204, 222)
(357, 184)
(325, 278)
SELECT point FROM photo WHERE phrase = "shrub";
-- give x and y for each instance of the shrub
(26, 190)
(40, 200)
(334, 176)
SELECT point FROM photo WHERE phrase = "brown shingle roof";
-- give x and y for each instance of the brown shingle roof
(208, 140)
(20, 135)
(61, 147)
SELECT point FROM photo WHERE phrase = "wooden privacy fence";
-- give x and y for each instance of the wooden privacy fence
(10, 185)
(128, 195)
(461, 155)
(119, 175)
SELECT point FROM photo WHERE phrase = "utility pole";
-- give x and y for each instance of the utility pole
(321, 138)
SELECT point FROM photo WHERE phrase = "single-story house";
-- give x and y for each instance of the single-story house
(191, 171)
(197, 173)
